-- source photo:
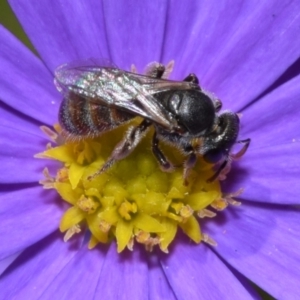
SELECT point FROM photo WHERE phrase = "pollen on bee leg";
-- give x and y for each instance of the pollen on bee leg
(71, 231)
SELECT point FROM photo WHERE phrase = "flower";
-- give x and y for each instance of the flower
(245, 53)
(133, 201)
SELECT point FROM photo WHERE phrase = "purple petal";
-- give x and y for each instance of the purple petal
(137, 28)
(269, 174)
(38, 266)
(14, 119)
(123, 276)
(6, 262)
(63, 31)
(27, 215)
(248, 285)
(262, 243)
(79, 278)
(237, 49)
(250, 54)
(195, 272)
(159, 287)
(16, 156)
(26, 84)
(292, 71)
(274, 119)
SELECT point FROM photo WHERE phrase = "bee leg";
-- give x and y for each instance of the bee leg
(192, 78)
(133, 69)
(158, 70)
(221, 168)
(243, 150)
(125, 146)
(168, 69)
(189, 163)
(164, 164)
(225, 167)
(155, 69)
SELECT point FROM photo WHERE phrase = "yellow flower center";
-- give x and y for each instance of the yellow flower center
(134, 201)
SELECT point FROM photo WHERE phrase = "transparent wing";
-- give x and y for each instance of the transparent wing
(154, 85)
(114, 87)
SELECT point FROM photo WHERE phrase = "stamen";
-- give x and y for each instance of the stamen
(54, 135)
(71, 231)
(145, 238)
(87, 204)
(104, 226)
(222, 203)
(51, 134)
(126, 209)
(48, 182)
(230, 197)
(206, 213)
(208, 240)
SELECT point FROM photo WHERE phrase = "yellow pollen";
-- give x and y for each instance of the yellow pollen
(186, 211)
(133, 201)
(126, 209)
(145, 238)
(62, 175)
(219, 204)
(142, 236)
(87, 204)
(104, 226)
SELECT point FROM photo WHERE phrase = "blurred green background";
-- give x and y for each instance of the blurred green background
(8, 19)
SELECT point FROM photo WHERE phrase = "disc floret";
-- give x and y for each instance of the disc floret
(134, 201)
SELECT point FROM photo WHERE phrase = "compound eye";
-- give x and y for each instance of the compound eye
(218, 105)
(213, 156)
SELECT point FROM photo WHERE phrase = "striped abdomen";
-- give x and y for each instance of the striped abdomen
(81, 117)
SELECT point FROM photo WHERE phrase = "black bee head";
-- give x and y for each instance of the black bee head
(217, 144)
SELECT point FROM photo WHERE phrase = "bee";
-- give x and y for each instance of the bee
(99, 98)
